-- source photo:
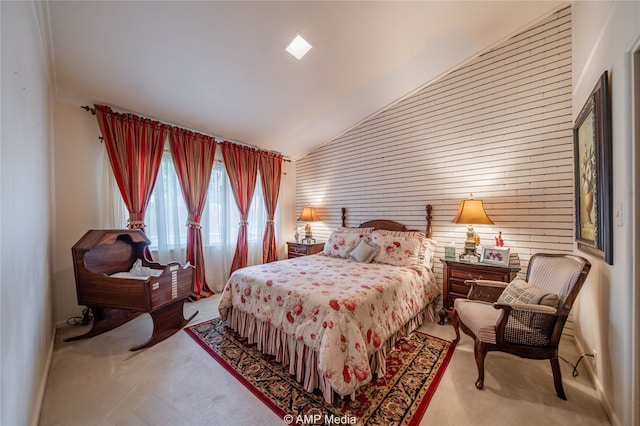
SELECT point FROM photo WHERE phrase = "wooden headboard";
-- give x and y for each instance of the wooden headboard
(391, 225)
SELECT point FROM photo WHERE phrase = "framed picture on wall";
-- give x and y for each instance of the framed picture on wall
(592, 173)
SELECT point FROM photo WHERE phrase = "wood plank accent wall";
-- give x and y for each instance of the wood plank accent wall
(499, 127)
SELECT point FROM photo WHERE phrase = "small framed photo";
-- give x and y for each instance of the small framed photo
(495, 256)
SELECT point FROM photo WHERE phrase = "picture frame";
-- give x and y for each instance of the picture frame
(592, 173)
(495, 256)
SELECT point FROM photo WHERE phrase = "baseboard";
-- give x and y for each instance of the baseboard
(61, 323)
(604, 400)
(43, 382)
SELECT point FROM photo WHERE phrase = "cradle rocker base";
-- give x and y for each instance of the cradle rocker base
(166, 322)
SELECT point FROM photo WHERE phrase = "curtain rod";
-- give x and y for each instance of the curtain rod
(93, 112)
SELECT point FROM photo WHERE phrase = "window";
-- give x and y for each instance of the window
(166, 219)
(167, 215)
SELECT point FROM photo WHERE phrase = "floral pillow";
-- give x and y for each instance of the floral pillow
(398, 248)
(427, 248)
(340, 243)
(362, 231)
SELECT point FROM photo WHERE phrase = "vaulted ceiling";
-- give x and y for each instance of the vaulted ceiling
(221, 67)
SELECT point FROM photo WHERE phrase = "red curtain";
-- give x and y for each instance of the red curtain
(270, 174)
(241, 163)
(134, 146)
(193, 155)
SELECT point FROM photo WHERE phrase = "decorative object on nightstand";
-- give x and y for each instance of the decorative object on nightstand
(308, 215)
(495, 256)
(450, 251)
(302, 249)
(455, 273)
(471, 213)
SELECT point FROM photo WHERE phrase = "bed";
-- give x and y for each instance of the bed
(117, 282)
(332, 317)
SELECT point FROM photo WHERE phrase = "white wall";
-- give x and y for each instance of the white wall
(499, 127)
(26, 328)
(78, 154)
(287, 202)
(604, 34)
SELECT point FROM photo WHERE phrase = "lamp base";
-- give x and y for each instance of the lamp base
(308, 238)
(469, 256)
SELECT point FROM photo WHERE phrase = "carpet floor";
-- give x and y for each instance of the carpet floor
(414, 369)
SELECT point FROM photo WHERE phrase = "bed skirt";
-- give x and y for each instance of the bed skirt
(302, 360)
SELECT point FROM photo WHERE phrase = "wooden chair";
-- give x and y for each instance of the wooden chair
(498, 317)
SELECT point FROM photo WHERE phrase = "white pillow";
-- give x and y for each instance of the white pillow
(429, 247)
(365, 251)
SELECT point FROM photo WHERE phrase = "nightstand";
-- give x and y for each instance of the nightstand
(301, 249)
(454, 274)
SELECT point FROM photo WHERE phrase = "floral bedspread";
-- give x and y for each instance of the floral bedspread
(343, 309)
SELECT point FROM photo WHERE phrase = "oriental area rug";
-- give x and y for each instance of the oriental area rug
(414, 369)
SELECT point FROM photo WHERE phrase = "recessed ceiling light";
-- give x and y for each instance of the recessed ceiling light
(298, 47)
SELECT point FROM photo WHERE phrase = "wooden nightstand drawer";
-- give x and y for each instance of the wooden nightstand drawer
(300, 249)
(455, 274)
(470, 274)
(296, 249)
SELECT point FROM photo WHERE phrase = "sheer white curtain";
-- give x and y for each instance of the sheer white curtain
(113, 213)
(167, 215)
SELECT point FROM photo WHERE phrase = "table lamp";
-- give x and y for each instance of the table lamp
(308, 215)
(471, 213)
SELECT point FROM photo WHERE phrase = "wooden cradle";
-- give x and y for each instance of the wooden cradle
(115, 301)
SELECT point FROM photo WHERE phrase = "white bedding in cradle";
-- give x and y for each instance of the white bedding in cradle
(138, 272)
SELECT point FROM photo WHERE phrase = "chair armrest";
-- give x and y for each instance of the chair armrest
(541, 309)
(485, 290)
